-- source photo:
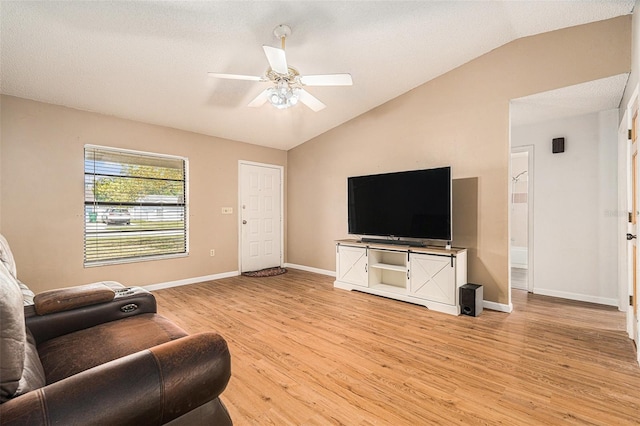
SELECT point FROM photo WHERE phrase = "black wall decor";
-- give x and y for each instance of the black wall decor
(557, 145)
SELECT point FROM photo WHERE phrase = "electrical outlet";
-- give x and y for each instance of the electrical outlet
(227, 210)
(212, 252)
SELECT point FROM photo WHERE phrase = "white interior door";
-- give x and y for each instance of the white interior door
(633, 224)
(261, 237)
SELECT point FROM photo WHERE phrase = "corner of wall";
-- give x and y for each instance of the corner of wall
(1, 168)
(635, 60)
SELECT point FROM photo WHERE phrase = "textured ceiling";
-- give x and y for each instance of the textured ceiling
(148, 61)
(585, 98)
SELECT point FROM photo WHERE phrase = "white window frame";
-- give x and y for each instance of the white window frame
(142, 258)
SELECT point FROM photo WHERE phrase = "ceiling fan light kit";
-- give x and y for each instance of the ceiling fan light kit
(287, 82)
(283, 96)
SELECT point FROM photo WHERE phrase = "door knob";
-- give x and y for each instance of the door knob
(244, 222)
(631, 237)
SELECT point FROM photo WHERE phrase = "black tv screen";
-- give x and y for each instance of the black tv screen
(411, 204)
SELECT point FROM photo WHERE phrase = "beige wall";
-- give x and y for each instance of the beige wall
(460, 119)
(43, 190)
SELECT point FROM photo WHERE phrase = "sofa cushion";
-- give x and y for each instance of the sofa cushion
(12, 334)
(72, 353)
(6, 256)
(32, 375)
(27, 294)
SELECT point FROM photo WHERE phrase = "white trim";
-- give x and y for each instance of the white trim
(310, 269)
(629, 284)
(519, 258)
(188, 281)
(187, 207)
(530, 150)
(632, 98)
(271, 166)
(133, 151)
(500, 307)
(579, 297)
(135, 259)
(622, 216)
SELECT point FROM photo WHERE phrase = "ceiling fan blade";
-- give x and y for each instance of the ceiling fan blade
(260, 99)
(236, 76)
(277, 59)
(311, 101)
(327, 80)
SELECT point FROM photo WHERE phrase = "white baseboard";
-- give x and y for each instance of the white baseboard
(518, 287)
(194, 280)
(485, 304)
(500, 307)
(197, 280)
(310, 269)
(519, 257)
(575, 296)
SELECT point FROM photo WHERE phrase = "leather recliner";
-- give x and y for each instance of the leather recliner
(100, 354)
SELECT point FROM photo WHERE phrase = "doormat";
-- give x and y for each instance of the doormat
(268, 272)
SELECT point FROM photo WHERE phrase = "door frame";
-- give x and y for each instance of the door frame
(530, 150)
(626, 205)
(242, 163)
(624, 194)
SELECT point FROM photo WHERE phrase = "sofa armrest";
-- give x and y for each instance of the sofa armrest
(68, 298)
(128, 301)
(153, 386)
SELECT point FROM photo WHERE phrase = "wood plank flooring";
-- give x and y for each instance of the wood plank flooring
(304, 353)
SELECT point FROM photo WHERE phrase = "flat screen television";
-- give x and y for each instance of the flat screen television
(411, 204)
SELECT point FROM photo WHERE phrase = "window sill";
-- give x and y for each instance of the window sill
(134, 260)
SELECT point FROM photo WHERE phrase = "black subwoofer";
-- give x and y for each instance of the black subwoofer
(471, 299)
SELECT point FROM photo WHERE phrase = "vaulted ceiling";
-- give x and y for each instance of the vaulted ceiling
(148, 61)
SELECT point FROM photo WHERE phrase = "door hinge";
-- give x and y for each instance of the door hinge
(629, 134)
(630, 300)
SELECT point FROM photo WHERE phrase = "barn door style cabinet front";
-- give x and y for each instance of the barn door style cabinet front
(428, 276)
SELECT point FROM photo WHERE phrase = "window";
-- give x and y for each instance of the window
(134, 206)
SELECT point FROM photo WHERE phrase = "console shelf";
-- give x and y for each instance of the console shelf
(389, 267)
(428, 276)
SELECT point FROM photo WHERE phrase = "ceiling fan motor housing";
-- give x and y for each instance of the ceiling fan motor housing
(293, 77)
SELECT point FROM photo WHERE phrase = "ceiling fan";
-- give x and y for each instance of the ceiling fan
(288, 84)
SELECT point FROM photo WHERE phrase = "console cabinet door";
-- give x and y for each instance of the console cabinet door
(433, 278)
(352, 265)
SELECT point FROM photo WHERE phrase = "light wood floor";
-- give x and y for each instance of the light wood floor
(304, 353)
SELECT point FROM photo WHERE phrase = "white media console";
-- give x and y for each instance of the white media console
(428, 276)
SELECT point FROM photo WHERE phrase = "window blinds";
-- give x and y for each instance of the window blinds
(134, 206)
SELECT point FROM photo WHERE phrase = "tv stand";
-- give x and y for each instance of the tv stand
(393, 242)
(428, 276)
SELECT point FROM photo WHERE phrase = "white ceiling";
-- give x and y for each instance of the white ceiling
(148, 61)
(585, 98)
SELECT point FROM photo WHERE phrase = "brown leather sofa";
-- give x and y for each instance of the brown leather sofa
(100, 354)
